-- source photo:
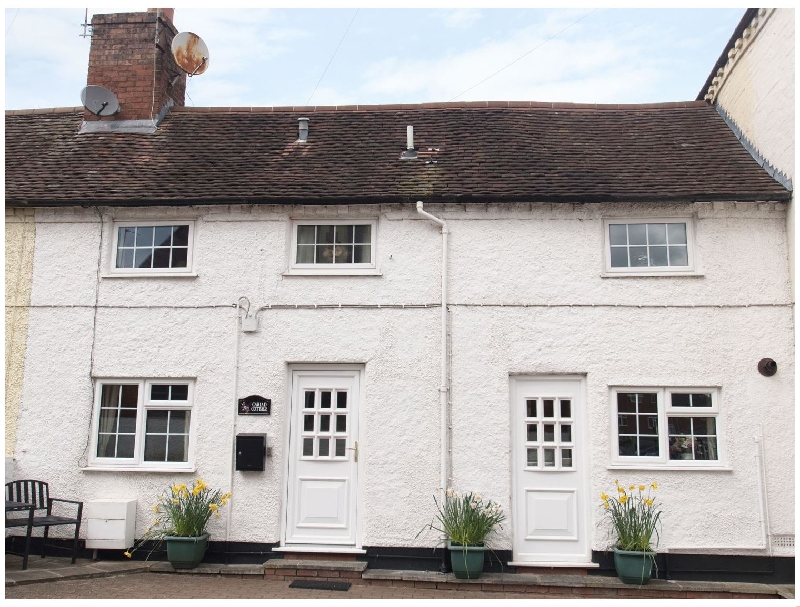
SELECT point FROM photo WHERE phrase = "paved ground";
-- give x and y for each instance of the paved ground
(166, 586)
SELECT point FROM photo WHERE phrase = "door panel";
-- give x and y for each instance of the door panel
(322, 499)
(549, 478)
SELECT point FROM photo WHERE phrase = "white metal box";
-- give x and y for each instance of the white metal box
(110, 523)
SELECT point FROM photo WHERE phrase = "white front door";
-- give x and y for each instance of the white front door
(322, 496)
(550, 502)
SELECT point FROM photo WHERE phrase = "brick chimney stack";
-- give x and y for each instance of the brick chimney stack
(130, 55)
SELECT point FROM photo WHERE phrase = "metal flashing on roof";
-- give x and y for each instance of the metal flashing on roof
(143, 127)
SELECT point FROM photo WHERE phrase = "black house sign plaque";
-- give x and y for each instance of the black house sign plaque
(255, 405)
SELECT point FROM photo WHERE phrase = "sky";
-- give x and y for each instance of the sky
(367, 55)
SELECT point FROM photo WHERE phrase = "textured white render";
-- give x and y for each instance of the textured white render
(526, 297)
(756, 90)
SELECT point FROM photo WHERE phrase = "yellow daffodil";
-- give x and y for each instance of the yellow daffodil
(641, 487)
(174, 501)
(654, 485)
(155, 521)
(216, 513)
(623, 499)
(605, 505)
(155, 508)
(128, 554)
(604, 497)
(620, 490)
(648, 502)
(632, 487)
(212, 507)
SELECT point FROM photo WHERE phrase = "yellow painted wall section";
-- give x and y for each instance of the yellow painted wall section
(20, 231)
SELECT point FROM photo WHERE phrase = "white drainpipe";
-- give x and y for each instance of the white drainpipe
(443, 386)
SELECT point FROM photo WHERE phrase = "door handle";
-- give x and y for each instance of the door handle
(355, 450)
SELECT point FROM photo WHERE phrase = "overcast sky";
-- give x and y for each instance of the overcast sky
(266, 57)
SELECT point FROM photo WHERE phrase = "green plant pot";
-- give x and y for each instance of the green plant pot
(633, 566)
(186, 552)
(466, 561)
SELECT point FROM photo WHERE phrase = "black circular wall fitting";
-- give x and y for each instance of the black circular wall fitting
(767, 367)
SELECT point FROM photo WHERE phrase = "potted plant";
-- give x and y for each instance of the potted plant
(181, 518)
(634, 518)
(465, 520)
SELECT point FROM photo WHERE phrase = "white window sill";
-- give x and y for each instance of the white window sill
(651, 274)
(336, 272)
(669, 467)
(149, 275)
(135, 469)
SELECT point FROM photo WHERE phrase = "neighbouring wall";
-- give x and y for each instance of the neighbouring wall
(527, 296)
(20, 232)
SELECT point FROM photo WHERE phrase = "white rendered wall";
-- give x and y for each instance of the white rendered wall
(503, 257)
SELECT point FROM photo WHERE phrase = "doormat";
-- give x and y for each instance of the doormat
(320, 585)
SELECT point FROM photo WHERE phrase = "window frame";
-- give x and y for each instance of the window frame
(344, 269)
(113, 270)
(691, 249)
(143, 405)
(665, 411)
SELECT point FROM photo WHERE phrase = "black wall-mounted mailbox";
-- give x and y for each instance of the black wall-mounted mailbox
(251, 449)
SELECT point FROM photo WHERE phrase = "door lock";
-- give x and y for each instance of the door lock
(355, 450)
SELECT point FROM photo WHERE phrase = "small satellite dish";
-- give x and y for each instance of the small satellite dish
(190, 52)
(99, 100)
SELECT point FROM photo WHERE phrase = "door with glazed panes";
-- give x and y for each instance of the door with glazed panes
(322, 495)
(550, 498)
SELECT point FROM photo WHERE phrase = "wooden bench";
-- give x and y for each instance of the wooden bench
(37, 493)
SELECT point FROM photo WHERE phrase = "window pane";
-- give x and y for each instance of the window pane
(179, 257)
(566, 458)
(566, 433)
(705, 448)
(704, 425)
(549, 458)
(656, 233)
(324, 447)
(637, 233)
(106, 445)
(363, 233)
(125, 258)
(125, 445)
(130, 396)
(362, 253)
(676, 232)
(626, 424)
(344, 234)
(619, 257)
(324, 254)
(680, 425)
(618, 233)
(179, 422)
(127, 421)
(648, 446)
(180, 392)
(648, 424)
(343, 254)
(308, 447)
(180, 236)
(533, 457)
(678, 256)
(648, 403)
(626, 402)
(532, 428)
(627, 445)
(157, 421)
(309, 399)
(155, 448)
(341, 423)
(531, 406)
(658, 256)
(143, 258)
(308, 423)
(341, 400)
(325, 234)
(163, 236)
(638, 257)
(305, 234)
(680, 447)
(305, 253)
(340, 447)
(324, 423)
(566, 408)
(548, 408)
(680, 400)
(177, 447)
(158, 392)
(701, 400)
(325, 399)
(549, 433)
(161, 258)
(125, 237)
(108, 420)
(144, 237)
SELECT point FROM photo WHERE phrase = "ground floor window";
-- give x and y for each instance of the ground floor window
(143, 423)
(666, 426)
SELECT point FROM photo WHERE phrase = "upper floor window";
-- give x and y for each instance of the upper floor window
(666, 426)
(153, 247)
(333, 247)
(651, 246)
(143, 424)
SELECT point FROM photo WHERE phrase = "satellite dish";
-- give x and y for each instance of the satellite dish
(190, 52)
(99, 100)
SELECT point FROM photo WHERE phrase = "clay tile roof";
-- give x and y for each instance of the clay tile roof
(487, 152)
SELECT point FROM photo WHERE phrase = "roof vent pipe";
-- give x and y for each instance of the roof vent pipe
(409, 153)
(302, 125)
